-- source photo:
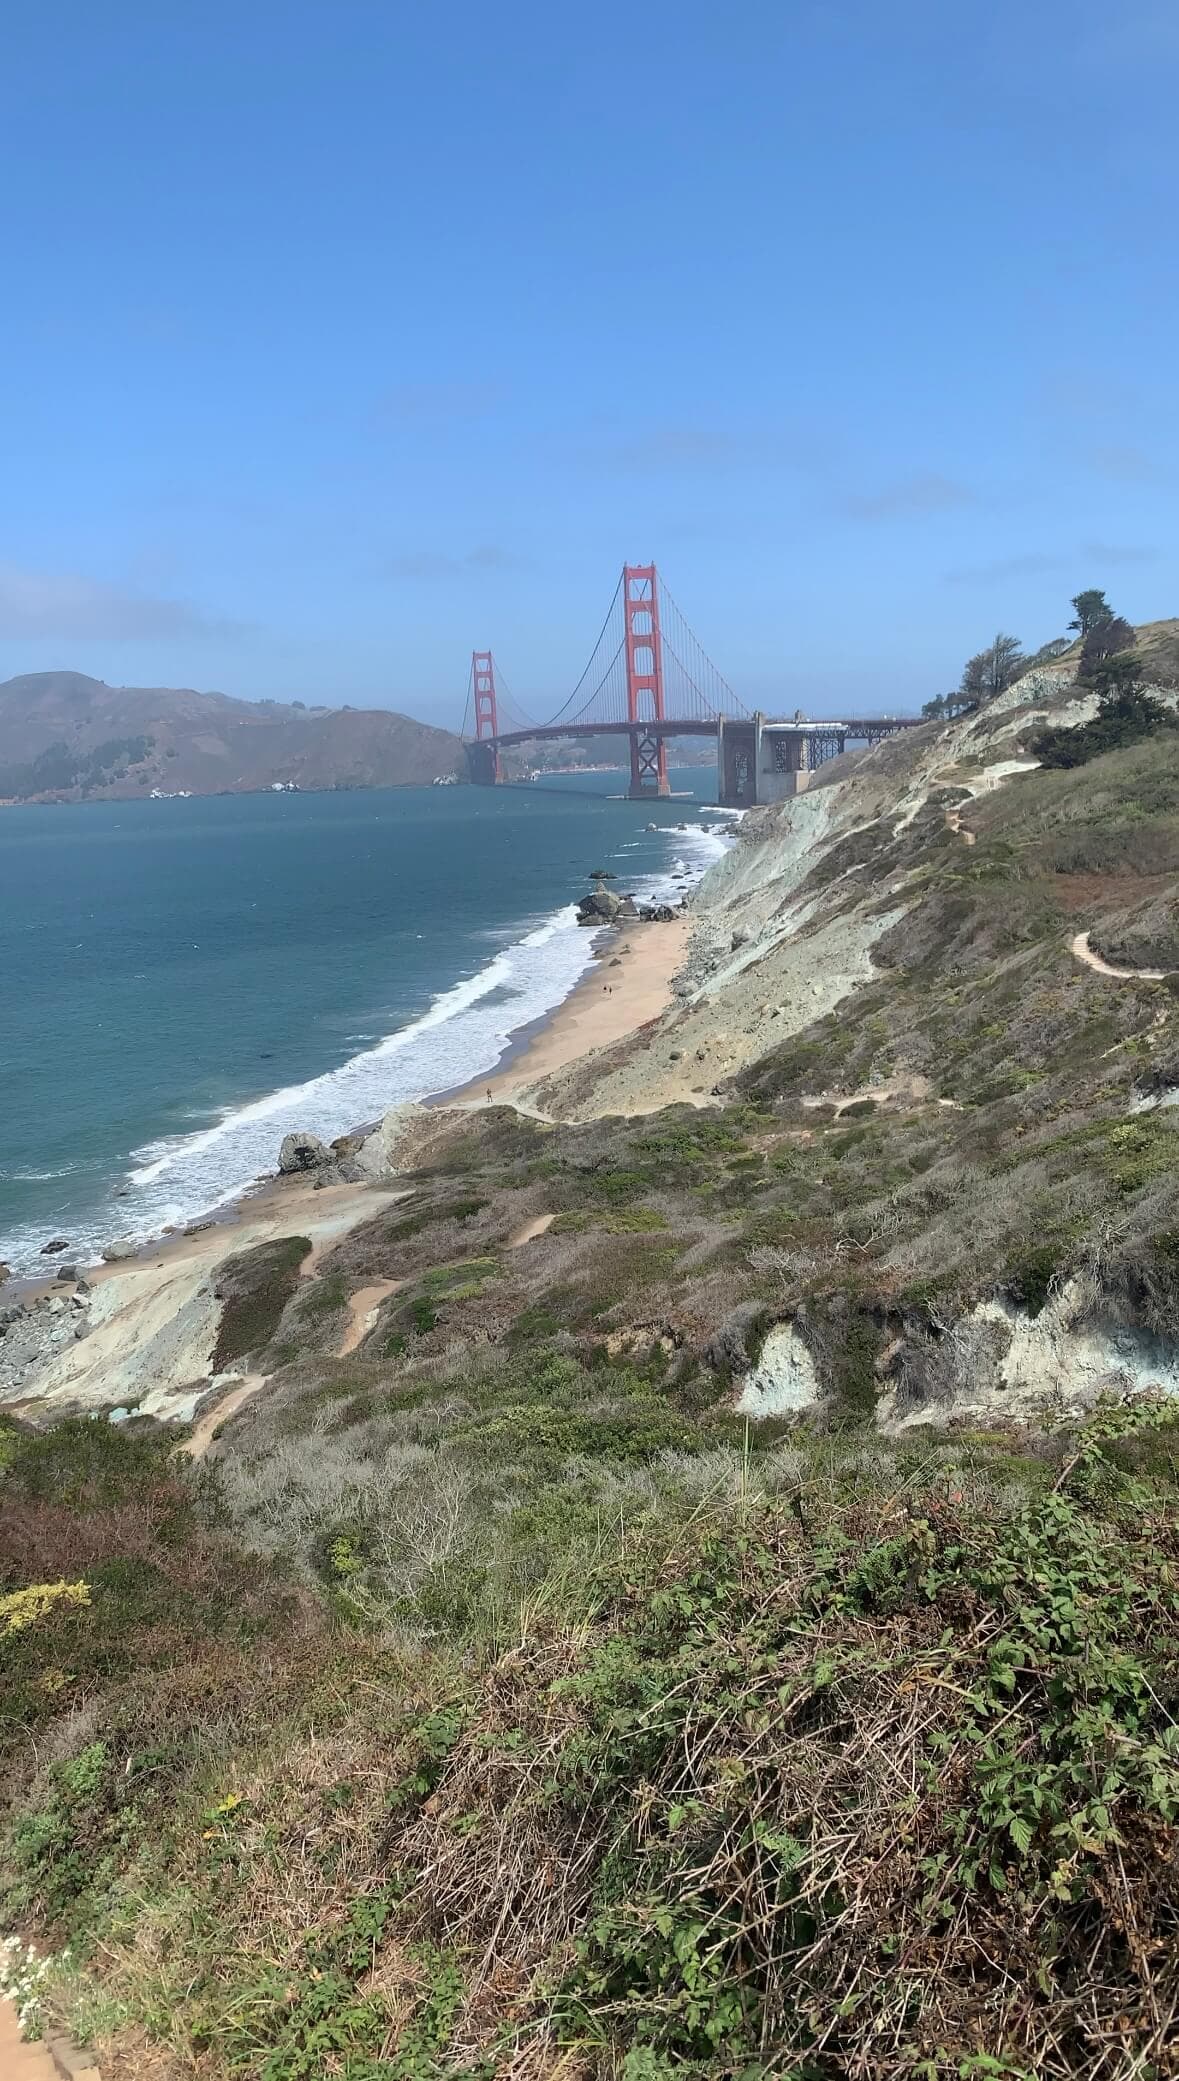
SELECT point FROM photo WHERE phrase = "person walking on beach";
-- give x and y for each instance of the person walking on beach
(489, 1094)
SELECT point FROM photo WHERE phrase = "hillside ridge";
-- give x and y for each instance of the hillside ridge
(675, 1575)
(66, 737)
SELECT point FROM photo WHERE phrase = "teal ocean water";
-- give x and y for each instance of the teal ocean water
(182, 982)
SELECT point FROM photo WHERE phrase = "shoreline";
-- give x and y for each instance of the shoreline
(626, 985)
(148, 1324)
(636, 991)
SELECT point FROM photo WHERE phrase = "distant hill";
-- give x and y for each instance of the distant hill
(67, 738)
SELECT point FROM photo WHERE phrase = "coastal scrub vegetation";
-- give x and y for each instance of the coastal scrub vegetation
(497, 1699)
(254, 1288)
(839, 1760)
(1126, 712)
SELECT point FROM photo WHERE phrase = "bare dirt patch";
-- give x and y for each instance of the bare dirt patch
(362, 1312)
(531, 1229)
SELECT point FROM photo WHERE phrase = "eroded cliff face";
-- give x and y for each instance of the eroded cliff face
(787, 925)
(903, 971)
(902, 1152)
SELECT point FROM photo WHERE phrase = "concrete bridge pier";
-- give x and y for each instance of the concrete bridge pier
(483, 763)
(736, 762)
(759, 761)
(648, 767)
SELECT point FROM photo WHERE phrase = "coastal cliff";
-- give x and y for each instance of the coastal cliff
(671, 1570)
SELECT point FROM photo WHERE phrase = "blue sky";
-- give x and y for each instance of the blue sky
(341, 338)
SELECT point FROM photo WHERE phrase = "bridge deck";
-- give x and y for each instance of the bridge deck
(855, 726)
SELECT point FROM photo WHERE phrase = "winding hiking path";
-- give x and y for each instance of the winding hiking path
(531, 1229)
(954, 823)
(363, 1307)
(1079, 946)
(22, 2061)
(211, 1420)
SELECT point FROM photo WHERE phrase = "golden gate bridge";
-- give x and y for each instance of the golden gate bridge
(649, 679)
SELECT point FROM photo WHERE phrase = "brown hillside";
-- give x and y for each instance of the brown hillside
(1157, 643)
(65, 737)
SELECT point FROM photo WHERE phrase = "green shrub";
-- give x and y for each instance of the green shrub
(464, 1208)
(254, 1288)
(1126, 713)
(618, 1221)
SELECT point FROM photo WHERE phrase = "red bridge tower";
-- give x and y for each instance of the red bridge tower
(484, 754)
(644, 680)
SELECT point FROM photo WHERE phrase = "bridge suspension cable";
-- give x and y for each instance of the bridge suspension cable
(702, 690)
(694, 690)
(512, 713)
(608, 644)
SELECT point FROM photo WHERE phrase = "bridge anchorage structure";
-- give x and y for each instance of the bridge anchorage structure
(648, 679)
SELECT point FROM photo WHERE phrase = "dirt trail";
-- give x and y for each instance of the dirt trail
(954, 823)
(220, 1412)
(1084, 952)
(22, 2061)
(531, 1229)
(362, 1311)
(910, 1090)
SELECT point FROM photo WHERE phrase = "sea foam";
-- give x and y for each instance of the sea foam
(462, 1035)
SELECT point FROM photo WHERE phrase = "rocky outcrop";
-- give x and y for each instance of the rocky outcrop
(303, 1152)
(402, 1139)
(122, 1248)
(30, 1338)
(1001, 1362)
(784, 1380)
(601, 907)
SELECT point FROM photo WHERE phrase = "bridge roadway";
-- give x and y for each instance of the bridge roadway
(759, 758)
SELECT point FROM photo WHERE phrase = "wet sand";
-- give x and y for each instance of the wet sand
(628, 984)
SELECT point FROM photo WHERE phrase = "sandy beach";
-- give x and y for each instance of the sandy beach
(628, 983)
(152, 1318)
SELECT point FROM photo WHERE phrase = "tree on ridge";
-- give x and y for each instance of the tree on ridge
(1106, 639)
(1091, 608)
(991, 670)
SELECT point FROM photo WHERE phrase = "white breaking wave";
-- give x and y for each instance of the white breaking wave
(461, 1036)
(38, 1177)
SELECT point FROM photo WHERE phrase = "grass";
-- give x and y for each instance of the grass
(175, 1613)
(868, 1769)
(254, 1288)
(462, 1208)
(613, 1221)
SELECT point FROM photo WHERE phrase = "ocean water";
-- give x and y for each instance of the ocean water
(183, 982)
